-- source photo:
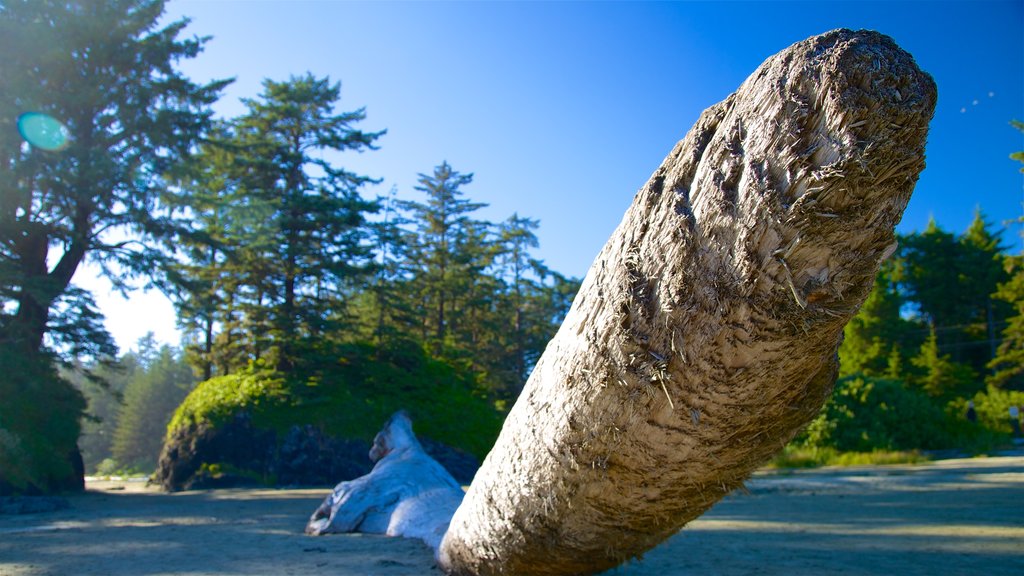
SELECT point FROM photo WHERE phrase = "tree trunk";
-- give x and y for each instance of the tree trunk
(704, 336)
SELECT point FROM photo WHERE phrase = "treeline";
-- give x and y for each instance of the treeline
(130, 406)
(935, 357)
(277, 264)
(277, 251)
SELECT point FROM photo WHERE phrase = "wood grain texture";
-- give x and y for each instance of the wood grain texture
(704, 336)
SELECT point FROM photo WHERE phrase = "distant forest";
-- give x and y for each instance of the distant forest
(304, 299)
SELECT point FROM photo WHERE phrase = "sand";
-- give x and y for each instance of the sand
(948, 517)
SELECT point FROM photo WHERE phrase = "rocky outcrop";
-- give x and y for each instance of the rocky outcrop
(240, 453)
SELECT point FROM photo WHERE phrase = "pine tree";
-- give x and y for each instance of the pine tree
(103, 114)
(281, 243)
(319, 252)
(150, 398)
(951, 279)
(982, 270)
(1008, 364)
(876, 338)
(202, 282)
(940, 376)
(447, 249)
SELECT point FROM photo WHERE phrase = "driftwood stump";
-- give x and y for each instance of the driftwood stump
(704, 336)
(407, 493)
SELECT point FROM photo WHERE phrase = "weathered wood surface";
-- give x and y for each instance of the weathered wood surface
(704, 336)
(406, 494)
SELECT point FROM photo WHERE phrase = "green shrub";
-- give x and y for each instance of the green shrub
(993, 409)
(39, 425)
(256, 389)
(349, 390)
(798, 457)
(868, 414)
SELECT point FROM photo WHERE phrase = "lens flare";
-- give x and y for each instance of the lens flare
(43, 131)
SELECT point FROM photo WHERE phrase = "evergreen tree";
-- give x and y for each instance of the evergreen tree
(387, 311)
(951, 281)
(930, 274)
(1008, 364)
(982, 270)
(202, 282)
(150, 398)
(448, 249)
(104, 394)
(876, 339)
(939, 376)
(318, 253)
(281, 244)
(517, 238)
(94, 114)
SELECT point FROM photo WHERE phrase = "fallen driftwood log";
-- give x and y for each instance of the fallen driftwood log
(406, 494)
(704, 336)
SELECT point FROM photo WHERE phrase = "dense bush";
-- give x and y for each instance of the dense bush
(866, 414)
(350, 394)
(257, 389)
(992, 407)
(38, 450)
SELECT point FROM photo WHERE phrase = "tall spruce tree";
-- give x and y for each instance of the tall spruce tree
(1008, 364)
(951, 280)
(318, 254)
(93, 114)
(283, 243)
(200, 282)
(448, 251)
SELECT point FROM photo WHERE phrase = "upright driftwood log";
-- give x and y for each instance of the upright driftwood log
(704, 336)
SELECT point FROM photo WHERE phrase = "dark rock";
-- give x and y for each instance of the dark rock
(238, 453)
(307, 456)
(460, 464)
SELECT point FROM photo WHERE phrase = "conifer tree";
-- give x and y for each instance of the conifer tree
(447, 248)
(94, 113)
(875, 339)
(156, 388)
(1008, 364)
(317, 251)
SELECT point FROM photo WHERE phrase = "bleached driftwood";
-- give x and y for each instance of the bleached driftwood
(406, 494)
(704, 336)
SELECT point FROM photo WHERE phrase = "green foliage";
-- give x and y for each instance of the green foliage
(939, 376)
(104, 76)
(950, 280)
(1018, 156)
(257, 388)
(875, 340)
(866, 414)
(103, 395)
(353, 395)
(279, 236)
(1008, 364)
(152, 394)
(993, 409)
(813, 457)
(37, 436)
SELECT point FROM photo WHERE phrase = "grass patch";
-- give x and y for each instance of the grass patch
(816, 457)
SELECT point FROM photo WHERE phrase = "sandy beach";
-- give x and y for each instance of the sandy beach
(948, 517)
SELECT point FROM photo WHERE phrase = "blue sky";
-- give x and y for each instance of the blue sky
(563, 110)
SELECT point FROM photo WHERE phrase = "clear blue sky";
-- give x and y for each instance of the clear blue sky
(563, 110)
